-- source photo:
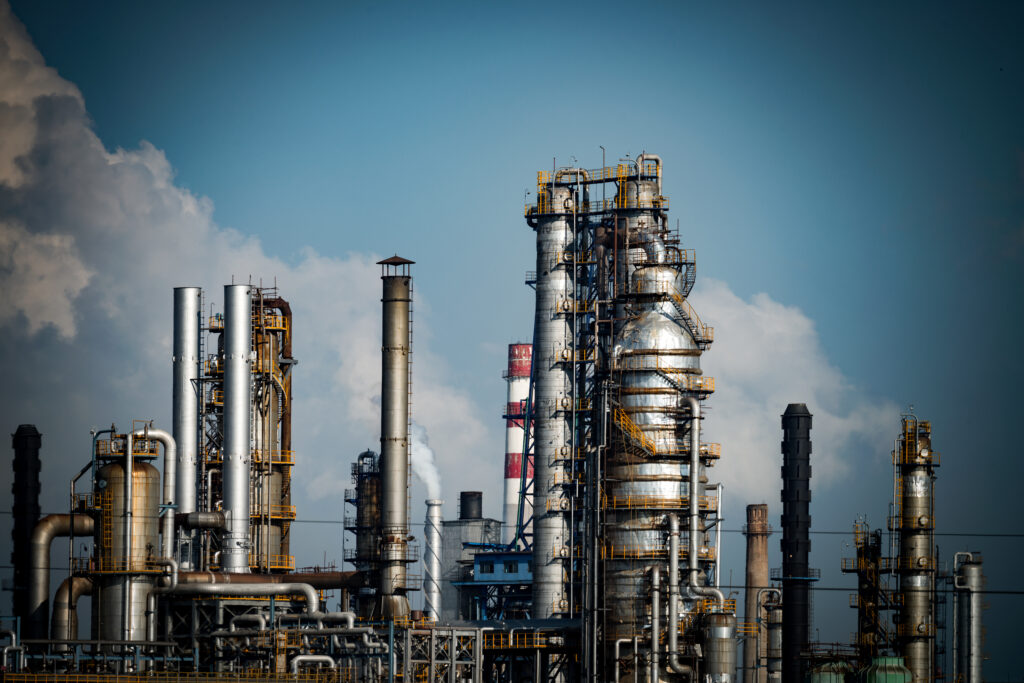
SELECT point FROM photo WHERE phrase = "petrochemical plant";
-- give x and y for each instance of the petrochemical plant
(605, 566)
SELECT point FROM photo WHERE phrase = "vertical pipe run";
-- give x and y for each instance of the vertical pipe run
(234, 555)
(969, 582)
(432, 560)
(394, 436)
(170, 462)
(796, 543)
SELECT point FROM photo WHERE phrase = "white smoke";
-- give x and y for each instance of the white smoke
(424, 464)
(92, 242)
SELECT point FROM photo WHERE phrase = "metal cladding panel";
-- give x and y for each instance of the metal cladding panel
(184, 399)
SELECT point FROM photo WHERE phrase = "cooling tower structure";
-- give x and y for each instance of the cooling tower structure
(913, 522)
(757, 531)
(968, 636)
(796, 543)
(518, 468)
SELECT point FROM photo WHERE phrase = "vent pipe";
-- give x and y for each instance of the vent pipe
(432, 561)
(796, 543)
(185, 415)
(26, 441)
(237, 389)
(394, 434)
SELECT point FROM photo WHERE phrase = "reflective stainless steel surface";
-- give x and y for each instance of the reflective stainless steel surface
(235, 543)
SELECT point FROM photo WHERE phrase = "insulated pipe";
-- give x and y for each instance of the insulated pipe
(258, 619)
(432, 560)
(655, 620)
(394, 442)
(617, 643)
(237, 390)
(644, 156)
(318, 580)
(299, 660)
(64, 623)
(129, 505)
(185, 401)
(155, 590)
(45, 531)
(170, 463)
(694, 512)
(200, 520)
(673, 599)
(262, 589)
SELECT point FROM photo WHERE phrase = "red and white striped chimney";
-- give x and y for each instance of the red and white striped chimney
(520, 357)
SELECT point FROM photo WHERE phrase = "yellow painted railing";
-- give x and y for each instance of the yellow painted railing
(629, 428)
(707, 503)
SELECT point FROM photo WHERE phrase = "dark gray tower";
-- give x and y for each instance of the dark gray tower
(796, 542)
(25, 510)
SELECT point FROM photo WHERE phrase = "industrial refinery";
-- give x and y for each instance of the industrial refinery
(605, 566)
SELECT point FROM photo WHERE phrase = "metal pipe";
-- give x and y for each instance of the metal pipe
(655, 621)
(129, 504)
(156, 589)
(64, 623)
(262, 589)
(299, 660)
(237, 390)
(432, 560)
(185, 399)
(617, 643)
(394, 439)
(45, 531)
(170, 465)
(200, 520)
(673, 597)
(757, 619)
(694, 512)
(258, 619)
(318, 580)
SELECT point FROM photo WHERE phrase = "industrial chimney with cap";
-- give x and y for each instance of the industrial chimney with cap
(394, 435)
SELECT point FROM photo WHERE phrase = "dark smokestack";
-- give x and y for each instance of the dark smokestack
(471, 505)
(25, 510)
(796, 542)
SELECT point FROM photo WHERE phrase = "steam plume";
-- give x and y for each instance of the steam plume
(424, 464)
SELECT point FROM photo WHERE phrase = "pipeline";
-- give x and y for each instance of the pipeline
(248, 589)
(64, 622)
(655, 620)
(45, 531)
(184, 401)
(200, 520)
(299, 660)
(694, 513)
(170, 463)
(318, 580)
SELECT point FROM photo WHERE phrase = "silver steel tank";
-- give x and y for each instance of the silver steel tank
(122, 568)
(969, 585)
(720, 648)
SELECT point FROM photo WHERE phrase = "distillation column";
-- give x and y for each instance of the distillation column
(553, 396)
(796, 542)
(915, 523)
(394, 435)
(184, 406)
(756, 531)
(969, 585)
(517, 375)
(237, 434)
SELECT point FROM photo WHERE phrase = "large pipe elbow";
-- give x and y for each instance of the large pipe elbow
(47, 529)
(170, 479)
(64, 624)
(300, 660)
(261, 589)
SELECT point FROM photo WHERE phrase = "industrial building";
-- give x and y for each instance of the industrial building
(605, 566)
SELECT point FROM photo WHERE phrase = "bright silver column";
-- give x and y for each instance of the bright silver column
(185, 413)
(969, 584)
(394, 436)
(237, 388)
(432, 560)
(552, 407)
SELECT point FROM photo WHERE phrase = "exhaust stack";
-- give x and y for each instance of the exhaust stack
(796, 542)
(394, 434)
(756, 531)
(237, 445)
(432, 561)
(520, 357)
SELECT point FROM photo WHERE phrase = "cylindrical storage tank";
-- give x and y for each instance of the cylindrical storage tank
(720, 648)
(774, 642)
(970, 582)
(109, 589)
(831, 672)
(471, 505)
(885, 670)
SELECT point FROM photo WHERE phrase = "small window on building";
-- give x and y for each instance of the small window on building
(486, 567)
(511, 567)
(529, 566)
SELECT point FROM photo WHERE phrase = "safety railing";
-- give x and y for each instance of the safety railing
(914, 563)
(272, 511)
(563, 478)
(114, 448)
(213, 366)
(270, 321)
(632, 431)
(705, 503)
(921, 630)
(215, 322)
(747, 628)
(275, 457)
(575, 306)
(522, 640)
(650, 170)
(580, 355)
(272, 562)
(545, 206)
(659, 550)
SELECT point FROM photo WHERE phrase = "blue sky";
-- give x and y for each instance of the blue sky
(861, 165)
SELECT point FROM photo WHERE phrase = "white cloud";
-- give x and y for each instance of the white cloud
(92, 243)
(765, 356)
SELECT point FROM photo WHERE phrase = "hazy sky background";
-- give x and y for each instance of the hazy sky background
(852, 179)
